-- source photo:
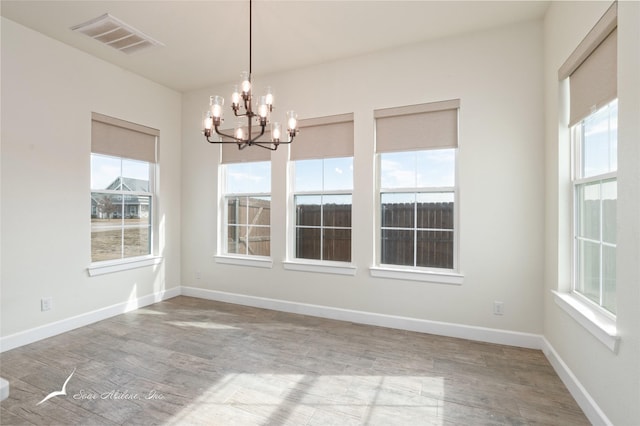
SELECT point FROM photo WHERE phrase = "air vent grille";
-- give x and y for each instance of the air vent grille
(115, 33)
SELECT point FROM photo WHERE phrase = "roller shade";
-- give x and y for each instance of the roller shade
(595, 83)
(592, 68)
(119, 138)
(425, 126)
(231, 153)
(324, 137)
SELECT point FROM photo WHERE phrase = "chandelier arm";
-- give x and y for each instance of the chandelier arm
(240, 142)
(247, 113)
(270, 148)
(272, 145)
(222, 141)
(289, 141)
(224, 134)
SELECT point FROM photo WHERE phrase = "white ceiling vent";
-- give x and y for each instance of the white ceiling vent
(115, 33)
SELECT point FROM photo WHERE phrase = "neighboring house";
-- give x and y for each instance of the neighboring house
(129, 205)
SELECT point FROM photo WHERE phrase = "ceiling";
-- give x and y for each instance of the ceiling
(207, 42)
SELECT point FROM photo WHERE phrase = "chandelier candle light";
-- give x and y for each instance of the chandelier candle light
(242, 98)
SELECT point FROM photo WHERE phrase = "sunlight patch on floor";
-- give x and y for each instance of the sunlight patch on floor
(203, 325)
(146, 311)
(318, 399)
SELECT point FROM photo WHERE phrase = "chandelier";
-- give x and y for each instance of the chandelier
(245, 134)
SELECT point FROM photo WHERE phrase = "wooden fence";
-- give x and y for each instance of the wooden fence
(249, 226)
(249, 231)
(430, 246)
(336, 237)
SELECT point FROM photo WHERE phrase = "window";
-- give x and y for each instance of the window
(246, 174)
(593, 110)
(123, 163)
(417, 198)
(322, 197)
(247, 203)
(417, 148)
(322, 167)
(595, 196)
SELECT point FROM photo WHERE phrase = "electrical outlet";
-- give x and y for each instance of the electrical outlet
(46, 303)
(498, 308)
(198, 275)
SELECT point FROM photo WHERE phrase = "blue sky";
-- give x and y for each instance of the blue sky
(330, 174)
(105, 169)
(415, 169)
(600, 150)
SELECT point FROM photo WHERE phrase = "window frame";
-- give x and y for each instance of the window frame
(418, 273)
(321, 138)
(577, 181)
(223, 255)
(317, 265)
(226, 225)
(123, 211)
(102, 267)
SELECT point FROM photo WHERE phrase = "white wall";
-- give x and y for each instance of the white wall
(48, 93)
(513, 183)
(612, 380)
(498, 77)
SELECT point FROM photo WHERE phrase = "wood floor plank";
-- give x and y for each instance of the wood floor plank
(187, 361)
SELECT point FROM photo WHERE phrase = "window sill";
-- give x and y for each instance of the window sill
(602, 327)
(337, 268)
(451, 278)
(255, 262)
(109, 266)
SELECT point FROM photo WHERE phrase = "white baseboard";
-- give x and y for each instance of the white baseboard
(590, 408)
(482, 334)
(38, 333)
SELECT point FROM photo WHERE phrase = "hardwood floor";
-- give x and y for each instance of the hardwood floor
(190, 361)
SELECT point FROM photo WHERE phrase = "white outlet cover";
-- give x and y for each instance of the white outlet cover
(46, 304)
